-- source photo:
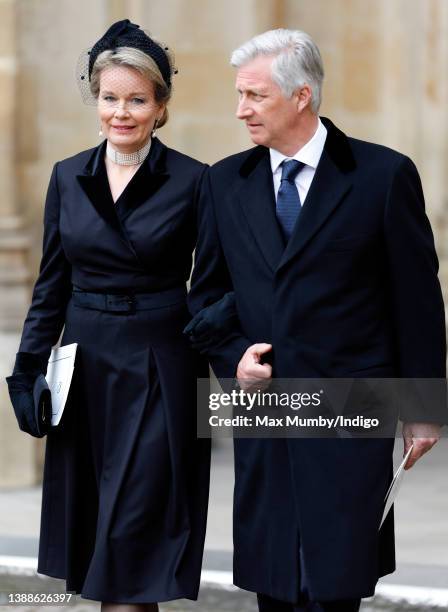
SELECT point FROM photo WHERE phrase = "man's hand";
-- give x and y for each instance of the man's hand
(423, 436)
(250, 371)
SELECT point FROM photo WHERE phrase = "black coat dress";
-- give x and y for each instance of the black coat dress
(126, 480)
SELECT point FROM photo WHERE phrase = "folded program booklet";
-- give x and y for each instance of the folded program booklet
(395, 485)
(59, 376)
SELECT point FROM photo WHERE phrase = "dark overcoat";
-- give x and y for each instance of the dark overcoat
(353, 294)
(126, 481)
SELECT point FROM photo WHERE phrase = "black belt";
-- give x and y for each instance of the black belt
(128, 303)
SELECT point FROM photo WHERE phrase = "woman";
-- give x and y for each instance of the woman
(126, 481)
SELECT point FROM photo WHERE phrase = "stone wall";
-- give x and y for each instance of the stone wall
(387, 81)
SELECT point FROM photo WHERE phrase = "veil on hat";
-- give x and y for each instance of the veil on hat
(122, 34)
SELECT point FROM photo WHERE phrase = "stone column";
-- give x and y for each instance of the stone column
(387, 81)
(203, 33)
(17, 450)
(432, 28)
(415, 96)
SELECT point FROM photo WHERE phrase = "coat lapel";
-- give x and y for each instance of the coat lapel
(93, 181)
(257, 201)
(147, 180)
(331, 183)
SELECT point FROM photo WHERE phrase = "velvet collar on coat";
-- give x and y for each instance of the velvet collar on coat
(151, 175)
(330, 185)
(336, 145)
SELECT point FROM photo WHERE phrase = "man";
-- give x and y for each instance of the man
(326, 245)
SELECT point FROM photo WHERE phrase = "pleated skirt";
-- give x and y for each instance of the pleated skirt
(126, 480)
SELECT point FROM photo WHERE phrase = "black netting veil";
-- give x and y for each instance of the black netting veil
(123, 34)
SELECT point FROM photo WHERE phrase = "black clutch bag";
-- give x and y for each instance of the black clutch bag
(42, 403)
(31, 400)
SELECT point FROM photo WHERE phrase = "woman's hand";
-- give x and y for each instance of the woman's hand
(30, 394)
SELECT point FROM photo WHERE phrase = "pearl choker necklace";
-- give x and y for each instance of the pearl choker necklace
(128, 159)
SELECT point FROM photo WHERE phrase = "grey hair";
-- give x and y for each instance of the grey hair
(297, 61)
(133, 58)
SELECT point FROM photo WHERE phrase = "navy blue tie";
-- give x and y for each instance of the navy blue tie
(288, 199)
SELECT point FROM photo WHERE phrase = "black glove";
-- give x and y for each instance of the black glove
(212, 324)
(30, 394)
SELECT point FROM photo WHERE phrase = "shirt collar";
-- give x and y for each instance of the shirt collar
(309, 154)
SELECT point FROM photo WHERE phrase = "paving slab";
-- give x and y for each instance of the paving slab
(421, 535)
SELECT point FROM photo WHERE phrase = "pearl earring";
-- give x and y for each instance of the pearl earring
(153, 133)
(100, 133)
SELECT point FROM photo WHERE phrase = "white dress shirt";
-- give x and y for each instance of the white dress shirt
(309, 154)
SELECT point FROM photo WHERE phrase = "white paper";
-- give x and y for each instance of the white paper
(59, 376)
(395, 485)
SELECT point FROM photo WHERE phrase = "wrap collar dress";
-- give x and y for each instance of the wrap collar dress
(125, 486)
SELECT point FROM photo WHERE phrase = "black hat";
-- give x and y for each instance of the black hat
(126, 34)
(122, 34)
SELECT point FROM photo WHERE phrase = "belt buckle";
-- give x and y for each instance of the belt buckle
(125, 303)
(131, 302)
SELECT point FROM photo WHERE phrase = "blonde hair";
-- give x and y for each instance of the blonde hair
(134, 58)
